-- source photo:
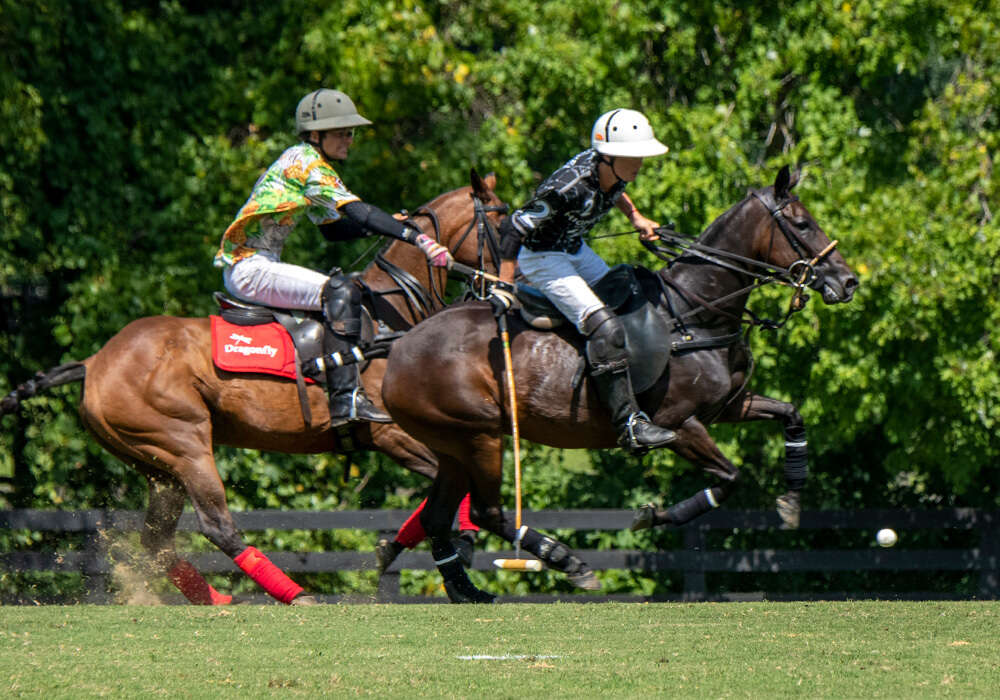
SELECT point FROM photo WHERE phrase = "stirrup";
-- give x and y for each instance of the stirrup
(630, 441)
(362, 410)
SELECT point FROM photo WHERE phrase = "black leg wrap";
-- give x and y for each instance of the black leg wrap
(456, 582)
(699, 504)
(555, 554)
(796, 457)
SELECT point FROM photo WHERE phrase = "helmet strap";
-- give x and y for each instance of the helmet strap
(610, 162)
(318, 145)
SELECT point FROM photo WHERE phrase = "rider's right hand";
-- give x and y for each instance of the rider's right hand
(501, 300)
(437, 254)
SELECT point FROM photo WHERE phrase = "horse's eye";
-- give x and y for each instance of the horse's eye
(803, 224)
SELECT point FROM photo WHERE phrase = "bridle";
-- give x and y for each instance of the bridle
(487, 237)
(802, 272)
(800, 275)
(421, 302)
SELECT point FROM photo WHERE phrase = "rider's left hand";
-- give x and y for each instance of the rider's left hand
(645, 227)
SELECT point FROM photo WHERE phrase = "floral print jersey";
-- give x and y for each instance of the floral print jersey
(299, 183)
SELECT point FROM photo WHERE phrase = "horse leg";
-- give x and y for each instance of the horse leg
(447, 491)
(755, 407)
(555, 554)
(208, 496)
(166, 502)
(182, 448)
(418, 458)
(412, 533)
(488, 513)
(695, 445)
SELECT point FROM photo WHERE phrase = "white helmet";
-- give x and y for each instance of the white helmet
(327, 109)
(625, 132)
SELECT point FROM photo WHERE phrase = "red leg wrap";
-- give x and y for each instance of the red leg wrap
(271, 578)
(194, 587)
(464, 521)
(412, 533)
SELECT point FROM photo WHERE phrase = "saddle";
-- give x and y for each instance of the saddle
(627, 290)
(304, 328)
(652, 334)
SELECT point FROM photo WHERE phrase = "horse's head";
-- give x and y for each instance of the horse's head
(789, 237)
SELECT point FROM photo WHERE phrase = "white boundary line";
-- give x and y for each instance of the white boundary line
(506, 657)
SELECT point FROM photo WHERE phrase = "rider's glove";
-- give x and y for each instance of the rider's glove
(437, 254)
(501, 300)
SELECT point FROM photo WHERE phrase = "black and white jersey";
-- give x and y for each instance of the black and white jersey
(564, 208)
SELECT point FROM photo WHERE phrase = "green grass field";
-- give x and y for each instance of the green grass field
(841, 650)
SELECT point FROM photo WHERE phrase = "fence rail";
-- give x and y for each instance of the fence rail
(694, 559)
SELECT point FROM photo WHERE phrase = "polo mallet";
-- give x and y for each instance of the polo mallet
(517, 564)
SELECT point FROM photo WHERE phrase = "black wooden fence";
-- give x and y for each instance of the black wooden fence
(694, 559)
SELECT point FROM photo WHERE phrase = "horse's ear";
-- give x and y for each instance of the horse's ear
(480, 186)
(781, 182)
(796, 176)
(477, 182)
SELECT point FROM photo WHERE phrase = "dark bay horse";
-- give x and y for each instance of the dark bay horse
(444, 382)
(153, 398)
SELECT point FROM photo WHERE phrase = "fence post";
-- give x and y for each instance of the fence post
(694, 572)
(989, 552)
(93, 565)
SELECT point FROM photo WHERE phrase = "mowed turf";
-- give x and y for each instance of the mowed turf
(596, 650)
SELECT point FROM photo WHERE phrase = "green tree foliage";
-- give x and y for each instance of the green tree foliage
(131, 132)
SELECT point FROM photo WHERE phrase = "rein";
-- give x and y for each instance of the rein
(421, 302)
(673, 247)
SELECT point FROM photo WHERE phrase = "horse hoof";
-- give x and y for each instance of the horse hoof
(586, 580)
(467, 594)
(304, 600)
(789, 510)
(386, 551)
(644, 518)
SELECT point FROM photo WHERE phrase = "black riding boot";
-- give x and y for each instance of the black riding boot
(635, 431)
(342, 310)
(608, 359)
(348, 400)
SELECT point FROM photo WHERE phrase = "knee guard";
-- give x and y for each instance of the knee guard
(605, 334)
(342, 304)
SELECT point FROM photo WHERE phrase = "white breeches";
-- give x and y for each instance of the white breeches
(565, 279)
(263, 279)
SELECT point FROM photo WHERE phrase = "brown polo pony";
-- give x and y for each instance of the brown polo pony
(444, 383)
(153, 398)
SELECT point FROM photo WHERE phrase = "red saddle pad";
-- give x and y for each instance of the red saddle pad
(263, 349)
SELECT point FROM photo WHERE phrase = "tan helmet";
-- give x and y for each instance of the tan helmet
(625, 132)
(326, 109)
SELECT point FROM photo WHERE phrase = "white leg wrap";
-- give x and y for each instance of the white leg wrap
(519, 536)
(711, 498)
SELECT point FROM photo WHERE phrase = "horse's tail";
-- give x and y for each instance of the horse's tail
(57, 376)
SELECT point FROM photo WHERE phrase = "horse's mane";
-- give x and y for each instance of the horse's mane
(721, 223)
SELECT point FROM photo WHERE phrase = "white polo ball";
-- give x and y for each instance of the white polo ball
(886, 537)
